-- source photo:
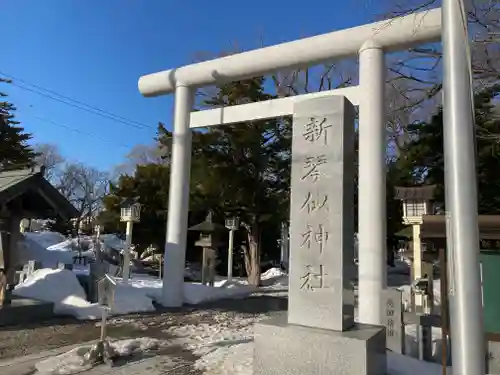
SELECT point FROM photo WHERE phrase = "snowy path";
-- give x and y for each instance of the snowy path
(218, 338)
(225, 342)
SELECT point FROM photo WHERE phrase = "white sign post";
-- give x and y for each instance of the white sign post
(102, 351)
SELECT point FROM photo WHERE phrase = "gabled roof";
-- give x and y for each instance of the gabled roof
(423, 192)
(208, 225)
(16, 183)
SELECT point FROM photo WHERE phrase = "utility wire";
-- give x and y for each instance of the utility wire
(58, 124)
(83, 108)
(74, 103)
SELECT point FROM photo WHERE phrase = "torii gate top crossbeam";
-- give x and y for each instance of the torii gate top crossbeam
(394, 34)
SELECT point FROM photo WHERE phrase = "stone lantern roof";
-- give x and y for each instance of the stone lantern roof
(423, 192)
(208, 226)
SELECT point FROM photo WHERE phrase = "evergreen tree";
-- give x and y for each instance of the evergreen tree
(150, 183)
(15, 153)
(245, 169)
(423, 162)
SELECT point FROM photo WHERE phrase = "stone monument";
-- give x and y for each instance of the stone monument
(320, 336)
(210, 240)
(393, 320)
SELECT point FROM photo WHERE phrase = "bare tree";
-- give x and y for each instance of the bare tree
(421, 65)
(140, 155)
(415, 77)
(85, 187)
(48, 155)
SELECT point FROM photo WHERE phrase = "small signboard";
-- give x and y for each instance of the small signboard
(106, 291)
(393, 320)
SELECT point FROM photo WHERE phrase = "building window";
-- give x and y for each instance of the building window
(415, 208)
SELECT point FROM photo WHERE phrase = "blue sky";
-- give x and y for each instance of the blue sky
(94, 52)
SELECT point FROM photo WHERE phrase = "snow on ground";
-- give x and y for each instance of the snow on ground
(28, 249)
(75, 361)
(398, 364)
(194, 293)
(226, 348)
(113, 241)
(71, 245)
(63, 289)
(48, 248)
(60, 287)
(45, 239)
(274, 278)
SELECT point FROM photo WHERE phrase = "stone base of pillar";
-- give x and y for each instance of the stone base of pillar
(285, 349)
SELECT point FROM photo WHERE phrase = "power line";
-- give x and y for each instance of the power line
(83, 108)
(75, 103)
(81, 132)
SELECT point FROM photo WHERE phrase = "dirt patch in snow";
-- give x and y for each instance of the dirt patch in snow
(23, 340)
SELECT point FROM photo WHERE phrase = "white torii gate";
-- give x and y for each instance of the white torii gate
(371, 42)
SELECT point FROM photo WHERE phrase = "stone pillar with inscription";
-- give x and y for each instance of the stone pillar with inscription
(319, 335)
(392, 315)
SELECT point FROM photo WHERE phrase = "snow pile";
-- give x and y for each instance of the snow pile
(195, 293)
(274, 278)
(60, 287)
(28, 249)
(49, 248)
(63, 289)
(45, 239)
(73, 245)
(112, 241)
(273, 273)
(75, 361)
(130, 299)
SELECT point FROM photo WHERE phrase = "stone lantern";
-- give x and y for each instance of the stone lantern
(130, 212)
(417, 202)
(211, 235)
